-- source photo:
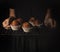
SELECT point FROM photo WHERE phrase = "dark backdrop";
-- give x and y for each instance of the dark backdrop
(27, 8)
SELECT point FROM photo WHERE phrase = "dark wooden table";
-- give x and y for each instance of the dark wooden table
(43, 42)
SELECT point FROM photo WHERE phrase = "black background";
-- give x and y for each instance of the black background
(27, 8)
